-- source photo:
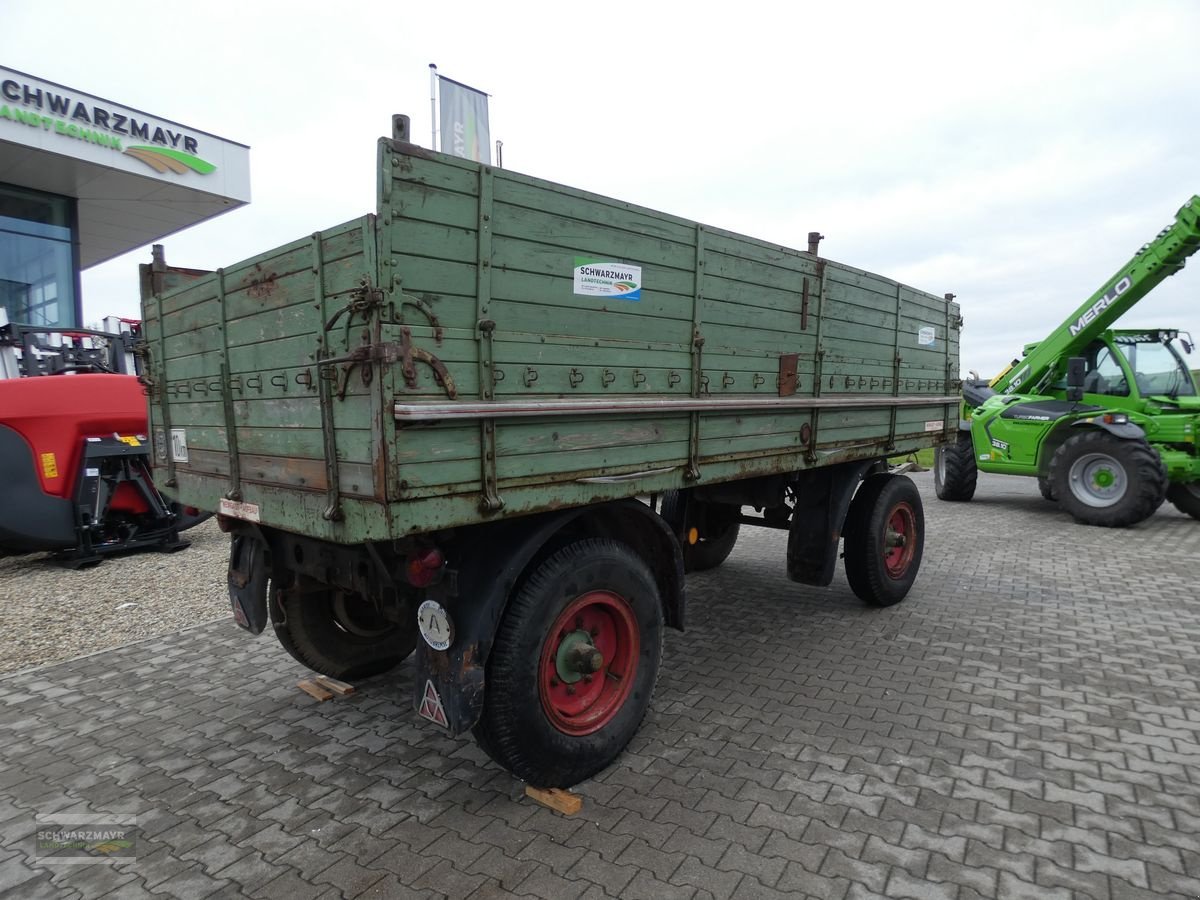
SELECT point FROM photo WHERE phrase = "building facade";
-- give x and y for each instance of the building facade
(83, 180)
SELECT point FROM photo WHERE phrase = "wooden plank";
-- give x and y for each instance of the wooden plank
(314, 690)
(556, 799)
(341, 688)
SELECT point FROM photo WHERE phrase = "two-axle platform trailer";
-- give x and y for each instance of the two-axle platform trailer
(437, 427)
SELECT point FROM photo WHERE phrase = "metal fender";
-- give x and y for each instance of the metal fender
(1125, 430)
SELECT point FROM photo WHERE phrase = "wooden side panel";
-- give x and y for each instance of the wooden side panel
(473, 297)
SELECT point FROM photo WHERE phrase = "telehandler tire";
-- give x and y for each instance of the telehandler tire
(1046, 489)
(573, 665)
(339, 633)
(716, 524)
(954, 471)
(1186, 498)
(1104, 480)
(884, 539)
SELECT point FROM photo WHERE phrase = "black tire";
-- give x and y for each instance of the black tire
(1101, 479)
(880, 571)
(523, 726)
(1046, 489)
(1186, 497)
(716, 524)
(338, 633)
(954, 471)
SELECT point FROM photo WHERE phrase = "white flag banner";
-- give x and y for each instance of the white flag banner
(465, 130)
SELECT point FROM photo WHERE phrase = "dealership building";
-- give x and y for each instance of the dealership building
(83, 180)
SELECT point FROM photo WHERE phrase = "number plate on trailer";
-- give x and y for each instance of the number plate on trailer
(246, 511)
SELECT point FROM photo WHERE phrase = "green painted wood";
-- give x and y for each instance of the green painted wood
(454, 244)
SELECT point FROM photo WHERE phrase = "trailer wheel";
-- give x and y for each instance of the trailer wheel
(716, 525)
(1104, 480)
(1046, 488)
(954, 471)
(339, 633)
(574, 664)
(1186, 498)
(885, 537)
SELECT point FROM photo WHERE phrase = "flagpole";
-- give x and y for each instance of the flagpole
(433, 105)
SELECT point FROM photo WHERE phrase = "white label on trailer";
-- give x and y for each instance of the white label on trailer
(435, 625)
(933, 426)
(607, 278)
(927, 336)
(179, 451)
(91, 473)
(431, 706)
(246, 511)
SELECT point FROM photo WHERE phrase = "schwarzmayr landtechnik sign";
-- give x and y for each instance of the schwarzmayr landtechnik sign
(38, 107)
(50, 117)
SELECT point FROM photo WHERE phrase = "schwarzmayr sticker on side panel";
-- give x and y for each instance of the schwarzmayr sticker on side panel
(607, 278)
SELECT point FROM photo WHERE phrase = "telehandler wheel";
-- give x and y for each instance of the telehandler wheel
(574, 664)
(1046, 488)
(1186, 498)
(954, 469)
(885, 537)
(716, 525)
(1101, 479)
(339, 633)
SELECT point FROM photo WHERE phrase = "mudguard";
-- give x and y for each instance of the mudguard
(1128, 431)
(449, 685)
(817, 520)
(248, 576)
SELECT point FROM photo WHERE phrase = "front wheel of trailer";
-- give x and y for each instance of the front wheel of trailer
(574, 664)
(885, 538)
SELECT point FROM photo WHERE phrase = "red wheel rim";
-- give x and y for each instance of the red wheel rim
(899, 540)
(576, 698)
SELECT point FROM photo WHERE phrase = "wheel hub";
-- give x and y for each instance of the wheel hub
(577, 656)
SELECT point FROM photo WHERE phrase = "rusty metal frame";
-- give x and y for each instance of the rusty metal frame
(333, 506)
(490, 501)
(896, 359)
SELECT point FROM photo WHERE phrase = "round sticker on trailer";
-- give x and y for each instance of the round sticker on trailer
(436, 627)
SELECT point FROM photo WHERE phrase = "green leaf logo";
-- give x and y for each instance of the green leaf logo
(162, 160)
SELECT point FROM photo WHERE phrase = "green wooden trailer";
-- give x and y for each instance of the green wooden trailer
(498, 418)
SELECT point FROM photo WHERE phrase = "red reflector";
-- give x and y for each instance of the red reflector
(424, 567)
(1108, 418)
(191, 511)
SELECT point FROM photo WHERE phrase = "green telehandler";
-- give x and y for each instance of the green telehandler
(1106, 420)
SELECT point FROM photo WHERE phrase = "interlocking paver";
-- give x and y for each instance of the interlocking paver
(1011, 730)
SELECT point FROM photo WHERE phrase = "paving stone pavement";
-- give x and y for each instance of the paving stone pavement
(1026, 724)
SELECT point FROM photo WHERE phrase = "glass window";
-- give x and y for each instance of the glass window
(37, 271)
(1157, 368)
(1104, 373)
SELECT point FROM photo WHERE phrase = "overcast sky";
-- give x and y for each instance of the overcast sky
(1014, 154)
